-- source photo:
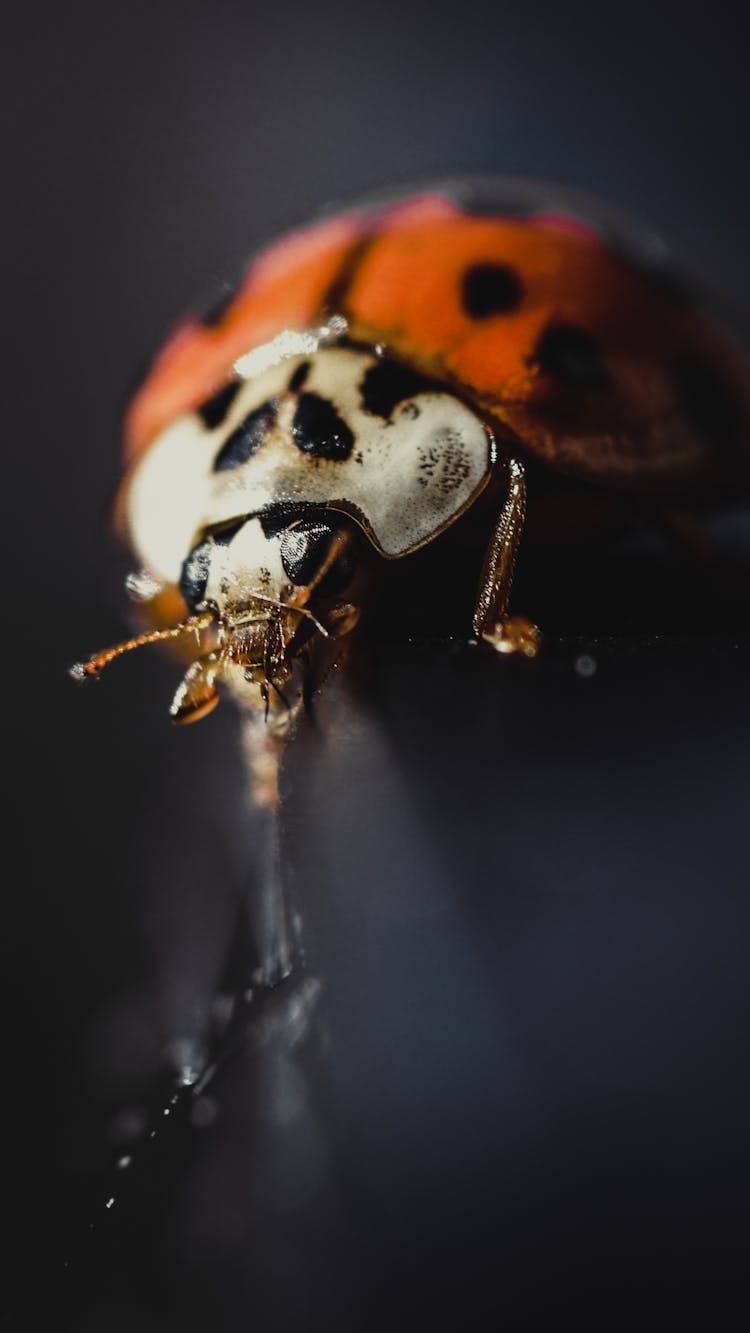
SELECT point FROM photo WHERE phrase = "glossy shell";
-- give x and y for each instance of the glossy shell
(568, 334)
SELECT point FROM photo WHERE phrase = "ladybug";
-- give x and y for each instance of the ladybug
(381, 373)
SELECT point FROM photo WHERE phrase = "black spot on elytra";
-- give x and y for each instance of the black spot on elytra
(319, 431)
(247, 438)
(572, 355)
(215, 408)
(388, 383)
(300, 375)
(709, 402)
(334, 300)
(490, 289)
(194, 574)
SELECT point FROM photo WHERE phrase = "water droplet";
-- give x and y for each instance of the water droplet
(585, 666)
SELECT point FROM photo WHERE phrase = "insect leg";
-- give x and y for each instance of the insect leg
(507, 634)
(197, 693)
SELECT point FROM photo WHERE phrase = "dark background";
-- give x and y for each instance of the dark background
(515, 1065)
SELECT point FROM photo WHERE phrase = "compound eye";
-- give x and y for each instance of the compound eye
(304, 547)
(194, 574)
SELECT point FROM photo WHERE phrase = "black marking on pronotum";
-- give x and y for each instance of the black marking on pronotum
(709, 402)
(572, 355)
(334, 300)
(490, 289)
(319, 431)
(298, 378)
(215, 408)
(388, 383)
(247, 438)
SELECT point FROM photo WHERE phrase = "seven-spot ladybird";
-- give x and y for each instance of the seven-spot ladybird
(375, 373)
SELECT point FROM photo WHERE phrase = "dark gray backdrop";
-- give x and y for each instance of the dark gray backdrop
(532, 1078)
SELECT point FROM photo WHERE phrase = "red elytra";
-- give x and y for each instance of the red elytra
(580, 354)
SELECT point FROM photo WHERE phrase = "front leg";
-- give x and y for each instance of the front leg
(507, 634)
